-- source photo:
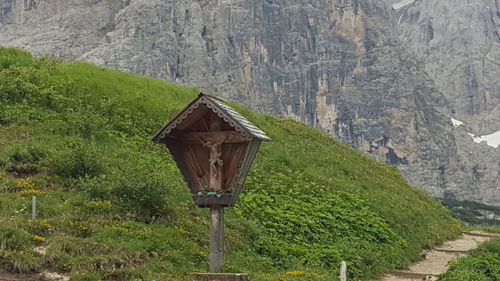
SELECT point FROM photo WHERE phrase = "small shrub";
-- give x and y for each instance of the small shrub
(10, 57)
(139, 192)
(142, 192)
(15, 239)
(482, 264)
(76, 161)
(28, 155)
(20, 262)
(25, 162)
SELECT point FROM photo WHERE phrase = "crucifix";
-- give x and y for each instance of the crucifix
(216, 211)
(214, 147)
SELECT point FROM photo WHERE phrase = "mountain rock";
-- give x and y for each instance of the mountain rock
(383, 76)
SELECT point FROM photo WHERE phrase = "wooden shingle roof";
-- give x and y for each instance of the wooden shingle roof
(224, 111)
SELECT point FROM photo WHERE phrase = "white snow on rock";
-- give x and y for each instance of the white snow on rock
(456, 122)
(402, 4)
(492, 140)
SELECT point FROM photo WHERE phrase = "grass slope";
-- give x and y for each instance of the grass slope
(112, 206)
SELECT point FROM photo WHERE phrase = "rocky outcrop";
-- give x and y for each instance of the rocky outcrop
(383, 76)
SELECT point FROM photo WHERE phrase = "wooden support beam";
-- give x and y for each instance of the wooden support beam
(214, 137)
(216, 238)
(216, 212)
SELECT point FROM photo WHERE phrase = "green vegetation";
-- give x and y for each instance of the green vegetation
(113, 206)
(473, 213)
(483, 264)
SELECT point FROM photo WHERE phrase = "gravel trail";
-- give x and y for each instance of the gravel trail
(436, 260)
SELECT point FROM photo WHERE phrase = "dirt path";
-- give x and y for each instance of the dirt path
(436, 260)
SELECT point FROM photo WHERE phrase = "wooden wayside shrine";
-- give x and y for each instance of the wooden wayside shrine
(214, 147)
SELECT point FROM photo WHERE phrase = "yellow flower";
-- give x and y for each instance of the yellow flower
(295, 273)
(44, 223)
(39, 238)
(31, 191)
(26, 183)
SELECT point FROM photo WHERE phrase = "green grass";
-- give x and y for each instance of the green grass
(482, 264)
(113, 206)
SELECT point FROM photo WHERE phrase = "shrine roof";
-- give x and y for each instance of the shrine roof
(223, 110)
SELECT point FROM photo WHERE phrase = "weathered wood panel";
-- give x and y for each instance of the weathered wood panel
(216, 238)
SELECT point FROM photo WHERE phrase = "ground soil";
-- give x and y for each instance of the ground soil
(436, 260)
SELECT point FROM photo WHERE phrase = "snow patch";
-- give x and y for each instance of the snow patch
(402, 4)
(456, 122)
(492, 140)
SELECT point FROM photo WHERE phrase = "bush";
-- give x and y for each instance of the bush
(25, 162)
(482, 264)
(10, 57)
(15, 239)
(136, 191)
(142, 192)
(77, 160)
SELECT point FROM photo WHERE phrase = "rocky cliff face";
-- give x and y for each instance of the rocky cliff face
(384, 76)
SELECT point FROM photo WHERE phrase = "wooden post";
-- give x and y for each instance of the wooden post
(216, 238)
(216, 212)
(343, 271)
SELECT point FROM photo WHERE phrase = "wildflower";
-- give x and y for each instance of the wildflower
(44, 223)
(295, 273)
(26, 183)
(31, 191)
(39, 238)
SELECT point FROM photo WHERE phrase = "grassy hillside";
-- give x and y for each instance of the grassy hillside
(113, 206)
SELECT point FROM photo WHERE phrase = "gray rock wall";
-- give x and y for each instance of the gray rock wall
(383, 76)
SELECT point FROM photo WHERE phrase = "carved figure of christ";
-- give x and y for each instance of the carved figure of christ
(215, 163)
